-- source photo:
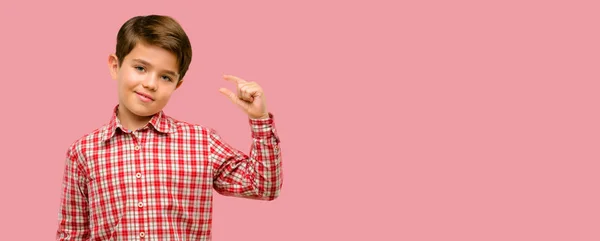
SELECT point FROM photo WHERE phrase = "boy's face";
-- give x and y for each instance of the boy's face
(146, 79)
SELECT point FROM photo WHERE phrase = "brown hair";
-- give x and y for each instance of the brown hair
(161, 31)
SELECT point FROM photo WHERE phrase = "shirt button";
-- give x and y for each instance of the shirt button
(137, 148)
(140, 204)
(138, 175)
(142, 234)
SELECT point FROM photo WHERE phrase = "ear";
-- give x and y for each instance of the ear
(179, 84)
(113, 66)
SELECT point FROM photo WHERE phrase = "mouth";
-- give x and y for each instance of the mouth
(144, 97)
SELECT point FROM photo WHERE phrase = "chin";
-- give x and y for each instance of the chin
(142, 110)
(146, 111)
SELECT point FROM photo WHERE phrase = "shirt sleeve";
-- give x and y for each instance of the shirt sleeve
(254, 176)
(73, 222)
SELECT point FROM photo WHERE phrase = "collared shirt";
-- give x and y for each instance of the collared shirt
(156, 183)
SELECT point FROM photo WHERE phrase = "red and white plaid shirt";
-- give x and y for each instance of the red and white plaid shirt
(156, 183)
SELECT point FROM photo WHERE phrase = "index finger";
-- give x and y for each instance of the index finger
(234, 79)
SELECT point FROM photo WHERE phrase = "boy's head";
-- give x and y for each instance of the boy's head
(153, 54)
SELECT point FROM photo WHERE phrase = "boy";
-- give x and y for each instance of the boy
(147, 176)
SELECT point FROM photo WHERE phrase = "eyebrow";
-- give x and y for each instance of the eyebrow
(147, 63)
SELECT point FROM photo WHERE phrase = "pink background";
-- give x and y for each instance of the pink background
(399, 120)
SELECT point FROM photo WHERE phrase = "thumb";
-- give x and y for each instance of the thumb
(228, 93)
(233, 97)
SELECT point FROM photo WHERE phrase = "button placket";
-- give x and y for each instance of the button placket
(141, 182)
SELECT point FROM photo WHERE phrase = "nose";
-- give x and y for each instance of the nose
(150, 82)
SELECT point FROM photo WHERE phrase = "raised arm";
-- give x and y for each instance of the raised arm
(255, 176)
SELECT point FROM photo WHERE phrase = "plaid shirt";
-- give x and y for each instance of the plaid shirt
(156, 183)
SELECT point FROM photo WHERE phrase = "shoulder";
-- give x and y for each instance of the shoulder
(87, 141)
(193, 129)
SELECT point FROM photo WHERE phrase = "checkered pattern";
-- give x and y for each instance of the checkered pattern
(156, 183)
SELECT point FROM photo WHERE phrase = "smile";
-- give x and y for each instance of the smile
(144, 97)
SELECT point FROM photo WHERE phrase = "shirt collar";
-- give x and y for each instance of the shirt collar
(159, 121)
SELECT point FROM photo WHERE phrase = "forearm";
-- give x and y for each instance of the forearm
(268, 178)
(256, 176)
(73, 220)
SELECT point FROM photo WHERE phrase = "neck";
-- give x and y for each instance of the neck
(131, 121)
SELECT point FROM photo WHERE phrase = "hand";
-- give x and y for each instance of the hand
(249, 97)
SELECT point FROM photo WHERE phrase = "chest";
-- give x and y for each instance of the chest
(159, 164)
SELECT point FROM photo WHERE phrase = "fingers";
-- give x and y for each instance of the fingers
(234, 98)
(233, 79)
(240, 86)
(248, 96)
(247, 91)
(228, 93)
(244, 93)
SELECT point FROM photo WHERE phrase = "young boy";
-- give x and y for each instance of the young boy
(147, 176)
